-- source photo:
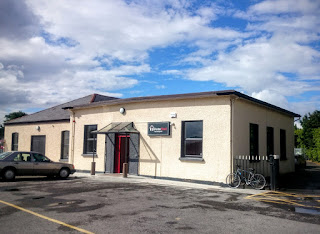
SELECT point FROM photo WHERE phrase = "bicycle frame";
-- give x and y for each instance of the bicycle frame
(247, 180)
(257, 181)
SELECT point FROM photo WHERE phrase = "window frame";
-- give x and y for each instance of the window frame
(184, 140)
(15, 145)
(64, 145)
(283, 144)
(86, 139)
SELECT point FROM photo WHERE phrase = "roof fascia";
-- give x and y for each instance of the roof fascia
(37, 122)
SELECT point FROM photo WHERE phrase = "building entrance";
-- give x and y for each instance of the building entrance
(121, 154)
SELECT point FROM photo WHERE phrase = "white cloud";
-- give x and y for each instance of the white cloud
(285, 6)
(160, 87)
(77, 47)
(56, 51)
(279, 62)
(272, 97)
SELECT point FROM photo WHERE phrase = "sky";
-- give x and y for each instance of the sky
(52, 52)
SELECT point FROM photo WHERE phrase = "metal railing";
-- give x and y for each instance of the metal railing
(261, 164)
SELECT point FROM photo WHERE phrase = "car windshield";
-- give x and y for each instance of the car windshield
(4, 155)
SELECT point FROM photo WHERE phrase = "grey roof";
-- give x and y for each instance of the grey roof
(186, 96)
(58, 113)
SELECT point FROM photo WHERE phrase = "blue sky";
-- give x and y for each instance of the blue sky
(55, 51)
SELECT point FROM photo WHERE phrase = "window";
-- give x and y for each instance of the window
(14, 143)
(22, 157)
(65, 145)
(270, 141)
(192, 138)
(89, 143)
(254, 139)
(40, 158)
(283, 145)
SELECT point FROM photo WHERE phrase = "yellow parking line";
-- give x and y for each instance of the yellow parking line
(290, 195)
(277, 200)
(47, 218)
(254, 195)
(271, 197)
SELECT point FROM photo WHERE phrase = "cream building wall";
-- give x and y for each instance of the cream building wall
(245, 113)
(159, 155)
(52, 131)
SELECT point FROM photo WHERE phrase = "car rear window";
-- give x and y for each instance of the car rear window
(4, 155)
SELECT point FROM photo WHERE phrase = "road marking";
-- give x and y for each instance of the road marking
(47, 218)
(285, 198)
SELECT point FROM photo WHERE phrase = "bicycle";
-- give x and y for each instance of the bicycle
(257, 181)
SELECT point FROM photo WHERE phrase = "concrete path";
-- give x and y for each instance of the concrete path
(148, 180)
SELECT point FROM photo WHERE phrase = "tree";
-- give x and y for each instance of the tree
(308, 137)
(8, 117)
(13, 115)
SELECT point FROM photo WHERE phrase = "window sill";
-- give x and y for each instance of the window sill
(64, 160)
(89, 155)
(189, 159)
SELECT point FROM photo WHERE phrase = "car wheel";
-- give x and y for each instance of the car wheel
(64, 173)
(9, 174)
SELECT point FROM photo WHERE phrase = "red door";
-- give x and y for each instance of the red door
(122, 142)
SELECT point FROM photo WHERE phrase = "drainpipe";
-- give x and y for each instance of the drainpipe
(232, 101)
(72, 137)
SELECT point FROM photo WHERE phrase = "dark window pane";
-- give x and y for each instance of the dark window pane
(14, 143)
(193, 129)
(193, 147)
(90, 145)
(40, 158)
(192, 138)
(270, 141)
(91, 128)
(90, 142)
(254, 139)
(65, 145)
(283, 145)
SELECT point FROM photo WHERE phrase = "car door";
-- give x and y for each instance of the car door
(41, 165)
(22, 163)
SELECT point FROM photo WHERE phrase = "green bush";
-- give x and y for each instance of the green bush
(313, 153)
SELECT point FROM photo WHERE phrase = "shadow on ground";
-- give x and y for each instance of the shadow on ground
(303, 179)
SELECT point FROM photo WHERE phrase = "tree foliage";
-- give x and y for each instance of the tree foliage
(309, 136)
(8, 117)
(13, 115)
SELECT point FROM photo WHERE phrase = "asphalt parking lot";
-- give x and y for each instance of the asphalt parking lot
(109, 204)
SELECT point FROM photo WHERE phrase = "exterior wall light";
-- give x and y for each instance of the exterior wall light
(38, 128)
(122, 110)
(173, 115)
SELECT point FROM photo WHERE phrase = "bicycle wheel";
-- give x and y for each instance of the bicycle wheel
(258, 181)
(233, 180)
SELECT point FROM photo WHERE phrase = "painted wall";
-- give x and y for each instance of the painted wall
(52, 131)
(159, 156)
(246, 113)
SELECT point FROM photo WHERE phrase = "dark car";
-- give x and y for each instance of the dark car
(20, 163)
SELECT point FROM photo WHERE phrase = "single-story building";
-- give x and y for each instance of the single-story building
(184, 136)
(46, 131)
